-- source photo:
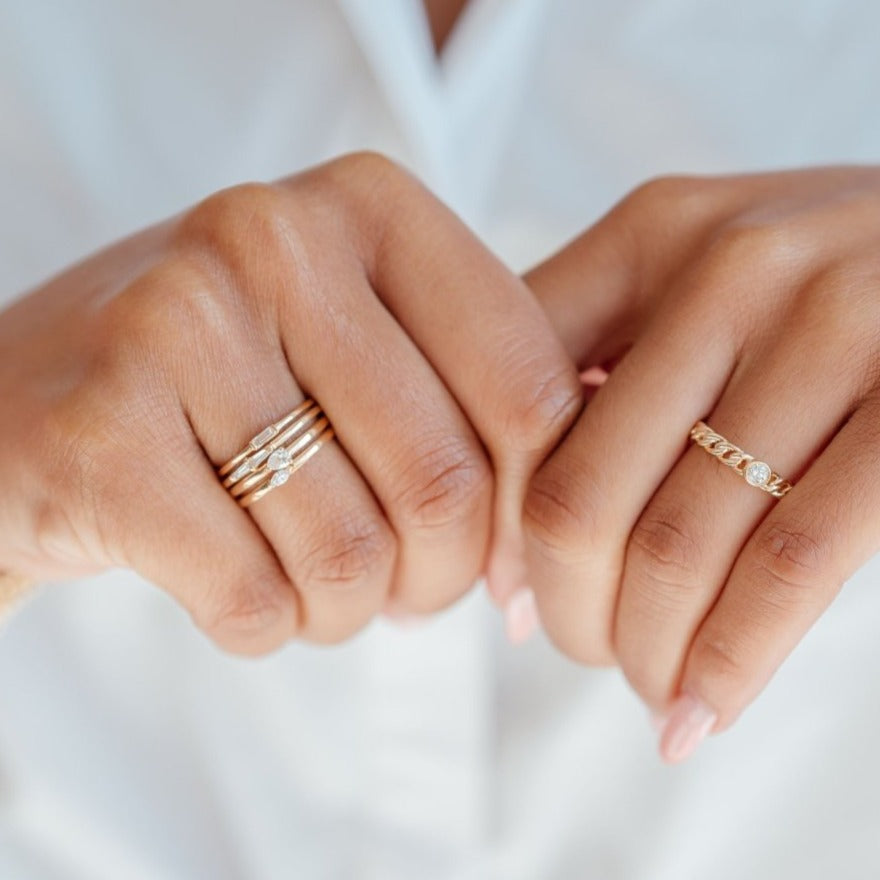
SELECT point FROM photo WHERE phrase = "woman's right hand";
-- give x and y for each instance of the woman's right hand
(128, 379)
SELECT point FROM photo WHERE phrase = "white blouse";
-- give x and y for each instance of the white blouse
(132, 749)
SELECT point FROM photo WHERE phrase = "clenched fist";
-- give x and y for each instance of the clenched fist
(127, 380)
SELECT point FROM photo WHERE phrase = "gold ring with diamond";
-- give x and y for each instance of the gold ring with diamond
(275, 453)
(756, 473)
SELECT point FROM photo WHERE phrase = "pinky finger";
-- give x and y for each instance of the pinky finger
(191, 539)
(785, 577)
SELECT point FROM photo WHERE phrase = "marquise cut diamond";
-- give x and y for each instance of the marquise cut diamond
(757, 473)
(279, 478)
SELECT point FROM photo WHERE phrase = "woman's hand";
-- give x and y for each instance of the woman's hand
(752, 303)
(128, 379)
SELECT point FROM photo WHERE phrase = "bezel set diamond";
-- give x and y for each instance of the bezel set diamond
(757, 473)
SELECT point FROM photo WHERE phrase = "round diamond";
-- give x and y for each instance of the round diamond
(757, 473)
(280, 458)
(279, 478)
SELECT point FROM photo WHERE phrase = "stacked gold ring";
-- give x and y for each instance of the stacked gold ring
(756, 473)
(275, 453)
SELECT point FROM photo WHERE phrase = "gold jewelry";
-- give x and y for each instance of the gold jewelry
(755, 473)
(275, 453)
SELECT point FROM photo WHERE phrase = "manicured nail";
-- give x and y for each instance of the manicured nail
(690, 722)
(594, 376)
(521, 616)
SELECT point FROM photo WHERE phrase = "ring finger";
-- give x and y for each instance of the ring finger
(326, 527)
(686, 540)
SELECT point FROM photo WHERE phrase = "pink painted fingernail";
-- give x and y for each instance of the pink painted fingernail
(690, 722)
(521, 616)
(594, 376)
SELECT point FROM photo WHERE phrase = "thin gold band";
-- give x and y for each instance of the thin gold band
(264, 437)
(295, 464)
(299, 444)
(251, 463)
(756, 473)
(280, 449)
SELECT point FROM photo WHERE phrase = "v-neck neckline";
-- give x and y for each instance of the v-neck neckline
(439, 101)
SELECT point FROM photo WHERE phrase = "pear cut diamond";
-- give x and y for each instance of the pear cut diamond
(279, 459)
(757, 473)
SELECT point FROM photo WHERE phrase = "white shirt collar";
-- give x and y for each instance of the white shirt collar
(453, 110)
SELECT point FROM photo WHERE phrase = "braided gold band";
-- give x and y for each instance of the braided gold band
(275, 453)
(755, 473)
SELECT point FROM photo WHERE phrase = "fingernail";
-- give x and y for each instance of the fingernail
(690, 722)
(594, 376)
(521, 616)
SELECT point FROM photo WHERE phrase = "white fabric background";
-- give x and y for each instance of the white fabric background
(129, 747)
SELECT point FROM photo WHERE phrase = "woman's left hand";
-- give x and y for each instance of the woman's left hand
(752, 303)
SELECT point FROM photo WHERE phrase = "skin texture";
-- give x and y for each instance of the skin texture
(137, 372)
(751, 302)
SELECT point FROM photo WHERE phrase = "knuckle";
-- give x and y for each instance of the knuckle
(146, 322)
(448, 483)
(768, 244)
(547, 403)
(662, 543)
(558, 513)
(372, 194)
(662, 194)
(366, 166)
(242, 220)
(790, 558)
(349, 552)
(243, 618)
(231, 208)
(719, 660)
(364, 183)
